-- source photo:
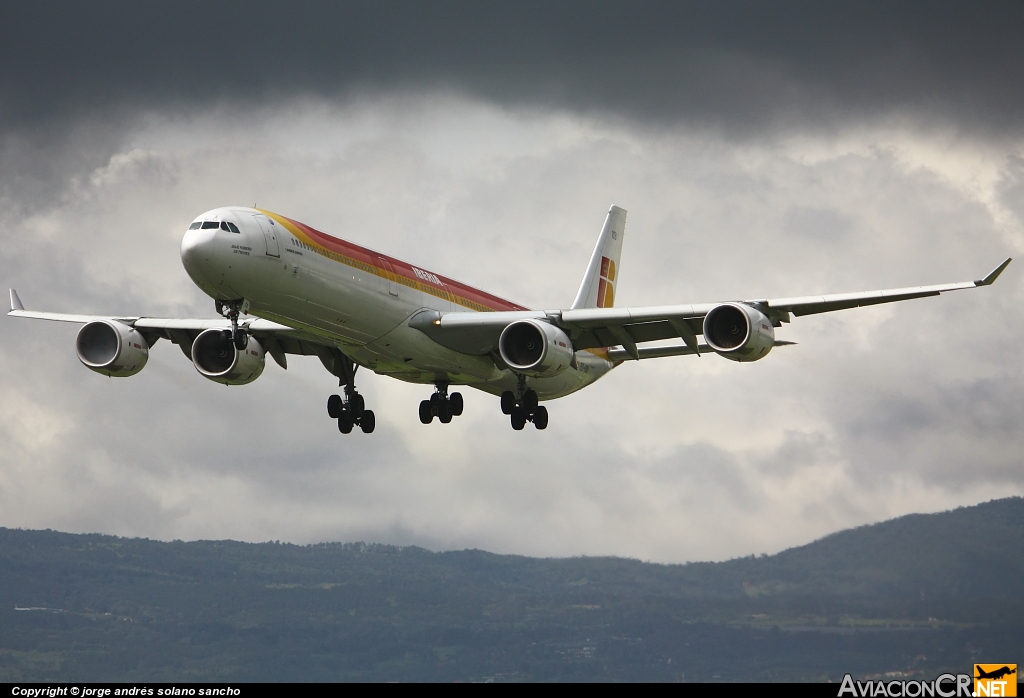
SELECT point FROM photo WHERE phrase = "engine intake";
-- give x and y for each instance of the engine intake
(216, 358)
(535, 348)
(739, 332)
(112, 348)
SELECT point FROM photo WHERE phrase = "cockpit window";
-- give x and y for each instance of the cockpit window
(210, 224)
(224, 226)
(233, 228)
(195, 226)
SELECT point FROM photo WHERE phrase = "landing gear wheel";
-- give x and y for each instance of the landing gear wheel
(240, 339)
(540, 418)
(350, 409)
(444, 412)
(518, 418)
(426, 412)
(367, 422)
(456, 401)
(530, 401)
(508, 402)
(356, 404)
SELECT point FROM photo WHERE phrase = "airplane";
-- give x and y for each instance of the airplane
(282, 287)
(994, 674)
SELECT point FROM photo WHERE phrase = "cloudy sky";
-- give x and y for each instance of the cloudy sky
(770, 149)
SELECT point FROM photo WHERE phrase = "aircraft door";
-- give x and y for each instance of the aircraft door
(269, 229)
(392, 279)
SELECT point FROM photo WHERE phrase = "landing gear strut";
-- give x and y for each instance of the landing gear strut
(230, 310)
(441, 405)
(525, 408)
(351, 410)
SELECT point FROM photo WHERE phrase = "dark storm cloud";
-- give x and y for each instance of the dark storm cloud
(739, 66)
(473, 138)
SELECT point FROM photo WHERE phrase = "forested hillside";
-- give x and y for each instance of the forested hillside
(912, 595)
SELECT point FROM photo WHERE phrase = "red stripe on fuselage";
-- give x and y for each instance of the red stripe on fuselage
(456, 291)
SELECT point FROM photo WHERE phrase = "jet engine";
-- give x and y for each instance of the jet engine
(535, 348)
(111, 348)
(739, 332)
(216, 358)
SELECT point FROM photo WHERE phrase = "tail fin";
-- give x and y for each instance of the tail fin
(598, 287)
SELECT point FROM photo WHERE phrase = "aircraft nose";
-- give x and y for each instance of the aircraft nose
(197, 248)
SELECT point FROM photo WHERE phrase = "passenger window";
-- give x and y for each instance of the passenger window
(210, 224)
(195, 226)
(234, 228)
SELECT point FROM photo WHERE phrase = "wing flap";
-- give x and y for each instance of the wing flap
(675, 350)
(599, 327)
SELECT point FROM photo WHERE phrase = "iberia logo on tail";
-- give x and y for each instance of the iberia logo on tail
(606, 289)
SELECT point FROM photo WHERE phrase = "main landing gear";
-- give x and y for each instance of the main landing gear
(351, 410)
(525, 409)
(230, 310)
(441, 405)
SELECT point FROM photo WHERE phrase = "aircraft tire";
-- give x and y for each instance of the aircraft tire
(357, 405)
(508, 402)
(426, 412)
(540, 418)
(444, 412)
(530, 401)
(345, 423)
(367, 422)
(518, 418)
(457, 404)
(334, 406)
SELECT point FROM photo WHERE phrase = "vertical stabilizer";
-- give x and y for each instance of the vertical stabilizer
(598, 287)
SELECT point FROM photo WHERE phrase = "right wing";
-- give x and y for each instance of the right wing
(589, 328)
(277, 339)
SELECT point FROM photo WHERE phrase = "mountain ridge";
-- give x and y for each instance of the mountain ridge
(936, 585)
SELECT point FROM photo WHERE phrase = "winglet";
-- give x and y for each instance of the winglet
(15, 301)
(993, 275)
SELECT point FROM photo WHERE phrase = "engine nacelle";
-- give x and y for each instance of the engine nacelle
(535, 348)
(112, 348)
(739, 332)
(216, 358)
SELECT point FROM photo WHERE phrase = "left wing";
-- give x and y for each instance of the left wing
(588, 328)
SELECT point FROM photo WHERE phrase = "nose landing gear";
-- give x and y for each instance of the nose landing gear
(525, 408)
(441, 405)
(230, 310)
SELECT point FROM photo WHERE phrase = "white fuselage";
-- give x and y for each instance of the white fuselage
(356, 299)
